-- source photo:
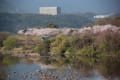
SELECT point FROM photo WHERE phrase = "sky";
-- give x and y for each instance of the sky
(67, 6)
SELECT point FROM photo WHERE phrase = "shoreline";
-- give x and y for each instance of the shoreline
(20, 54)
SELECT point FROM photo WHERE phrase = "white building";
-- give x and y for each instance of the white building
(101, 16)
(49, 10)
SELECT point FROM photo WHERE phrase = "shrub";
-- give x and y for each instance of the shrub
(108, 42)
(42, 48)
(51, 25)
(59, 44)
(86, 51)
(10, 43)
(3, 36)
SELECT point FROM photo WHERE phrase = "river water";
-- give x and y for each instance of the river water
(35, 68)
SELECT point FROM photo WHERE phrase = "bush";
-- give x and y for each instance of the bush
(108, 42)
(42, 48)
(86, 51)
(3, 36)
(10, 42)
(52, 25)
(59, 44)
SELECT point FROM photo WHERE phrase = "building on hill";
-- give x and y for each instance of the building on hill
(50, 10)
(102, 16)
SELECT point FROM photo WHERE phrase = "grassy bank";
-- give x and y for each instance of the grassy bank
(84, 44)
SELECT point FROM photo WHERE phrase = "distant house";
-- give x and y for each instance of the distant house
(50, 10)
(101, 16)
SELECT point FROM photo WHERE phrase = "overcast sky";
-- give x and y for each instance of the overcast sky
(67, 6)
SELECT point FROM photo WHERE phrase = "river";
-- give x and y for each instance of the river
(35, 68)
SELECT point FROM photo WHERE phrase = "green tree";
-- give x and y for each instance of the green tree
(51, 25)
(42, 48)
(3, 36)
(60, 44)
(10, 42)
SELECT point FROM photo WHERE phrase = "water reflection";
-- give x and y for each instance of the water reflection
(3, 75)
(5, 61)
(110, 67)
(58, 68)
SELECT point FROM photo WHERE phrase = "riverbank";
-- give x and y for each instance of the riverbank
(24, 53)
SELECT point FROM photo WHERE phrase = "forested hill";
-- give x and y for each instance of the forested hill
(13, 22)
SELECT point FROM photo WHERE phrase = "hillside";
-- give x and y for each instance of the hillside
(13, 22)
